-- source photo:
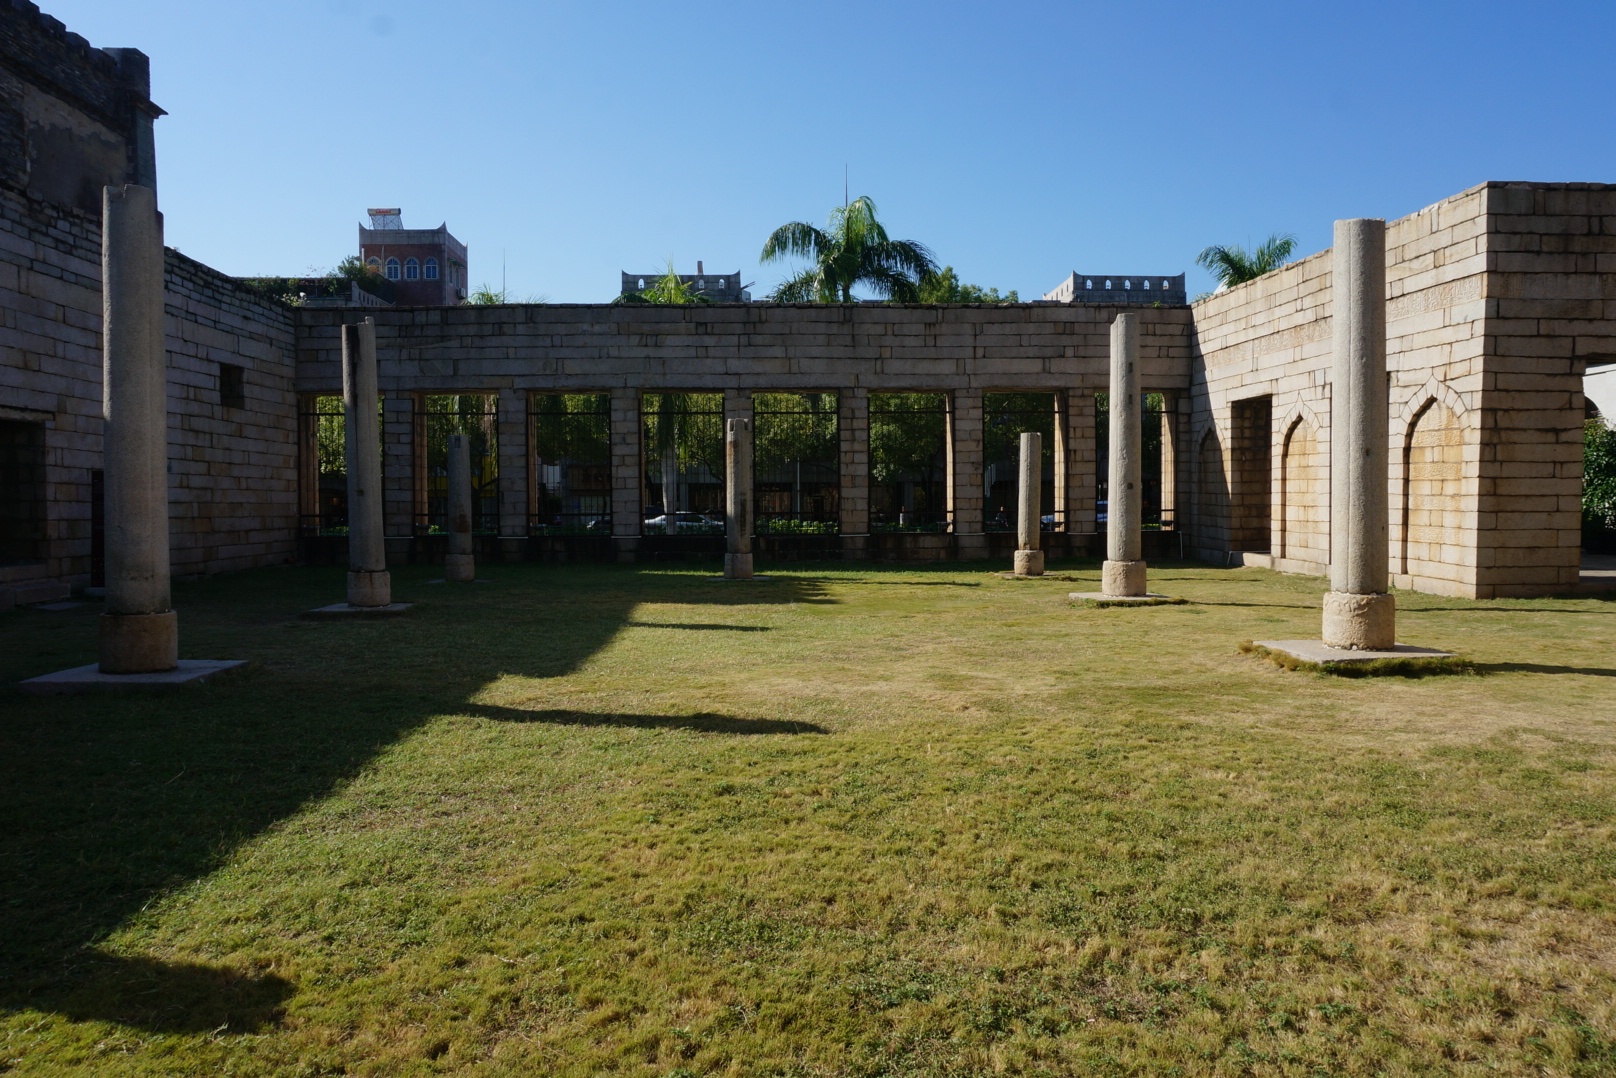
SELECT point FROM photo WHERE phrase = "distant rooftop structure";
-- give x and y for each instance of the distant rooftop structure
(428, 266)
(1115, 288)
(717, 287)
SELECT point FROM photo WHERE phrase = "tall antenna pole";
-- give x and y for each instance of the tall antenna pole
(845, 202)
(502, 272)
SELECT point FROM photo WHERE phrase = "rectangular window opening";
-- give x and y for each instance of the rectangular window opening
(796, 463)
(22, 492)
(1005, 417)
(232, 385)
(475, 415)
(683, 472)
(909, 462)
(1154, 516)
(572, 454)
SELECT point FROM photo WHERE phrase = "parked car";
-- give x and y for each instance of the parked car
(685, 524)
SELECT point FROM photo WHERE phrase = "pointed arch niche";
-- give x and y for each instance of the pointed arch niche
(1303, 514)
(1432, 515)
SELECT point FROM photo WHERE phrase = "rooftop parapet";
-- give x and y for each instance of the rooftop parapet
(1119, 289)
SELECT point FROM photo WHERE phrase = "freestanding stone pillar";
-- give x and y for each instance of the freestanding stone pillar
(1124, 571)
(369, 584)
(1358, 612)
(738, 499)
(1029, 519)
(459, 567)
(139, 633)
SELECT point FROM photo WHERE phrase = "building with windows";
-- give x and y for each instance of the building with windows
(716, 287)
(427, 265)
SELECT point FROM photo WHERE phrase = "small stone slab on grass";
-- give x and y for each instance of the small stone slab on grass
(91, 679)
(1101, 599)
(1400, 660)
(344, 610)
(760, 579)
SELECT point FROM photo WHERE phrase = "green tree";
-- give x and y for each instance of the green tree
(853, 249)
(1598, 475)
(1230, 266)
(944, 286)
(668, 289)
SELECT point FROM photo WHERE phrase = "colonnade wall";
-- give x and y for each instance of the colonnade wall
(963, 352)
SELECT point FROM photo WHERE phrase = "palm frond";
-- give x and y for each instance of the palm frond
(796, 238)
(803, 288)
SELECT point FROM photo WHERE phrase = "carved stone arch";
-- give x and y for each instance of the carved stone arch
(1432, 391)
(1303, 513)
(1431, 484)
(1211, 486)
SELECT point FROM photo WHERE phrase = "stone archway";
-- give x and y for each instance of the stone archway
(1433, 485)
(1304, 496)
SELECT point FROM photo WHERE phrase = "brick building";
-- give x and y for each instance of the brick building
(426, 265)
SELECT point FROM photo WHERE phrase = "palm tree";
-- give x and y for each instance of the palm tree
(852, 250)
(1230, 266)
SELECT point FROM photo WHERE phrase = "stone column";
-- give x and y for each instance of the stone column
(738, 499)
(853, 435)
(369, 583)
(1358, 613)
(628, 491)
(459, 566)
(1029, 504)
(1124, 569)
(965, 467)
(139, 633)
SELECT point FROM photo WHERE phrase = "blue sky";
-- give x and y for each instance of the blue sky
(1019, 141)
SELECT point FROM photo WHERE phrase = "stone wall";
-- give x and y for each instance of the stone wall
(1270, 340)
(741, 349)
(233, 471)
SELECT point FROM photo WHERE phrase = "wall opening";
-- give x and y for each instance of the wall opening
(683, 463)
(324, 471)
(796, 463)
(1303, 517)
(909, 462)
(476, 415)
(1005, 417)
(1251, 486)
(1152, 406)
(1433, 487)
(22, 492)
(572, 464)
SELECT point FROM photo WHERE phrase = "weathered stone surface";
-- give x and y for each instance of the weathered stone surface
(87, 679)
(1359, 621)
(139, 643)
(459, 565)
(1029, 563)
(368, 581)
(738, 519)
(1122, 578)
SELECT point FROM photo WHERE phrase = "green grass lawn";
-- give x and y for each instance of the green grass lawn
(618, 820)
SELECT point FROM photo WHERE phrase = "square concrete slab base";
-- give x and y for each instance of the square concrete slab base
(1317, 651)
(760, 579)
(91, 679)
(343, 610)
(1100, 598)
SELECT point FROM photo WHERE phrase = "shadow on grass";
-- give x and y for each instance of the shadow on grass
(705, 722)
(698, 627)
(1542, 668)
(172, 997)
(112, 803)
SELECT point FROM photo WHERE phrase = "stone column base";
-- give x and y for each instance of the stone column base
(1122, 578)
(1029, 563)
(140, 643)
(370, 589)
(460, 568)
(1359, 621)
(738, 566)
